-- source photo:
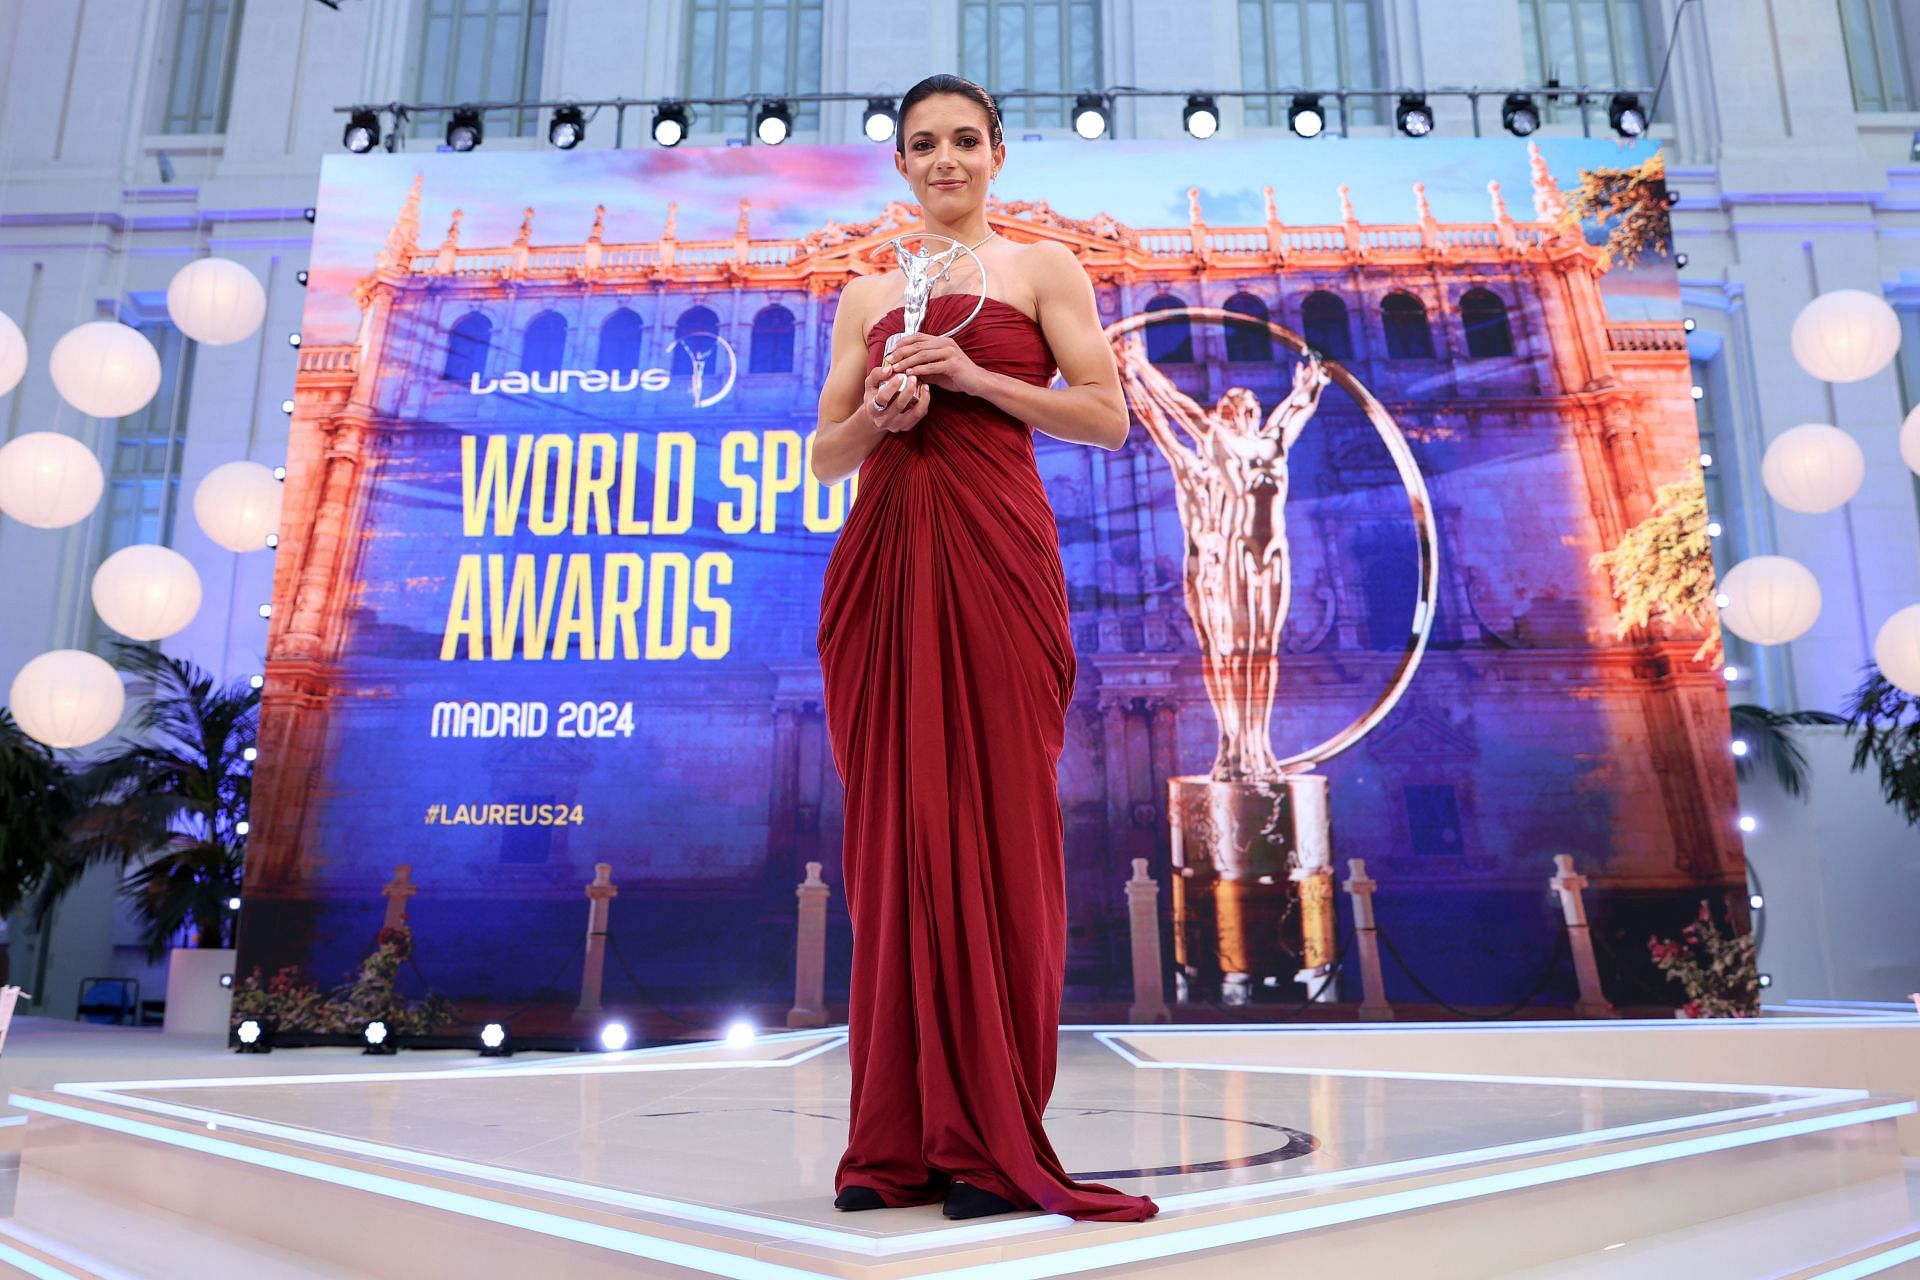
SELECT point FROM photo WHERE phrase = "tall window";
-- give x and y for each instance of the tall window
(1484, 317)
(693, 338)
(143, 475)
(480, 51)
(1248, 340)
(620, 335)
(1323, 323)
(1034, 45)
(739, 47)
(772, 341)
(1404, 319)
(1169, 341)
(467, 347)
(1883, 50)
(1599, 44)
(1317, 44)
(200, 76)
(544, 349)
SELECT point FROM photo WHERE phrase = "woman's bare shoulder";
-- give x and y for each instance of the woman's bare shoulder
(860, 300)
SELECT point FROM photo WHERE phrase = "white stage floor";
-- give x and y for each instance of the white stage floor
(718, 1160)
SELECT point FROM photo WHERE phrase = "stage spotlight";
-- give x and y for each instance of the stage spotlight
(250, 754)
(1626, 115)
(254, 1035)
(1688, 324)
(1732, 674)
(879, 123)
(1520, 114)
(293, 339)
(301, 276)
(614, 1036)
(379, 1039)
(309, 213)
(464, 131)
(1706, 459)
(1766, 979)
(1089, 115)
(233, 904)
(1721, 600)
(1697, 391)
(774, 124)
(286, 406)
(669, 124)
(739, 1032)
(1414, 116)
(362, 133)
(494, 1042)
(1756, 902)
(1305, 117)
(1713, 528)
(242, 827)
(1747, 823)
(266, 611)
(1679, 260)
(1739, 746)
(568, 128)
(1202, 116)
(273, 540)
(1673, 198)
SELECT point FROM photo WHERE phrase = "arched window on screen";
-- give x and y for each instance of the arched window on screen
(1484, 317)
(772, 341)
(1404, 319)
(544, 349)
(620, 335)
(694, 334)
(1323, 323)
(467, 345)
(1169, 341)
(1248, 341)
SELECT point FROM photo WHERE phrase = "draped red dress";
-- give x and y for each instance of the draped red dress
(948, 667)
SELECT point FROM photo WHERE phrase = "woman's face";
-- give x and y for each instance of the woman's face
(946, 157)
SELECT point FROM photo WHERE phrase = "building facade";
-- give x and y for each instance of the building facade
(135, 136)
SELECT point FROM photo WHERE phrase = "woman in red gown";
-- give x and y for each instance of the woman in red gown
(948, 667)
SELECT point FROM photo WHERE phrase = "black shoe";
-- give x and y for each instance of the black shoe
(964, 1200)
(859, 1198)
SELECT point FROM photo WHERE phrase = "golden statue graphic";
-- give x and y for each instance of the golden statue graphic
(1231, 487)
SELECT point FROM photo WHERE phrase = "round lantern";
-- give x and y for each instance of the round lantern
(48, 480)
(105, 368)
(1813, 468)
(1845, 335)
(1896, 649)
(67, 698)
(13, 354)
(1770, 599)
(146, 591)
(238, 505)
(216, 301)
(1910, 441)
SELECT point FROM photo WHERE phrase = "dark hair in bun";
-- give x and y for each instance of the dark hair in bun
(943, 83)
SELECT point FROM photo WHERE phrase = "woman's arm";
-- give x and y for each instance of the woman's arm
(849, 426)
(1090, 410)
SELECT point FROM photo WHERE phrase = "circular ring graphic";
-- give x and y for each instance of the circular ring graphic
(1420, 504)
(733, 365)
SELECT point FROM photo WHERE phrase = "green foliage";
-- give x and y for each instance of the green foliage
(1630, 203)
(296, 1003)
(1716, 969)
(1663, 568)
(1771, 747)
(1884, 721)
(37, 801)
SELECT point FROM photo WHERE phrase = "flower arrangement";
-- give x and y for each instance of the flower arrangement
(295, 1003)
(1716, 969)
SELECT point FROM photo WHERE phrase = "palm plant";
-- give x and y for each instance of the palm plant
(1770, 747)
(167, 805)
(36, 803)
(1884, 720)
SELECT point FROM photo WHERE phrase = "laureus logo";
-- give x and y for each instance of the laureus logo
(705, 354)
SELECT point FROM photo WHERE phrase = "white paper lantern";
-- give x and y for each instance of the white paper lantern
(238, 505)
(1770, 599)
(49, 480)
(146, 591)
(1813, 468)
(216, 301)
(1845, 335)
(1896, 649)
(13, 354)
(105, 368)
(67, 698)
(1910, 441)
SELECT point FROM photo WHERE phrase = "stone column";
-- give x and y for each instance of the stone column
(1143, 915)
(1373, 999)
(1568, 883)
(396, 892)
(599, 893)
(810, 953)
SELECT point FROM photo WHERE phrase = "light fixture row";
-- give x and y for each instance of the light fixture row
(1092, 115)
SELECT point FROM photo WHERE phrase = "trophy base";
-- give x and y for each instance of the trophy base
(1238, 850)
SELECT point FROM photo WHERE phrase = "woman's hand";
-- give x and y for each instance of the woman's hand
(937, 361)
(894, 402)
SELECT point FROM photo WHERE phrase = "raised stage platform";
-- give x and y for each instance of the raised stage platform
(1784, 1147)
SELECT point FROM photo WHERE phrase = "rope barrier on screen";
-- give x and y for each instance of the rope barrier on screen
(1561, 949)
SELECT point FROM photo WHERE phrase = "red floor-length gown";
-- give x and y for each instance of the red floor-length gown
(948, 667)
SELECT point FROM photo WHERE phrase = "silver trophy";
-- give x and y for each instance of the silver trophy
(924, 271)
